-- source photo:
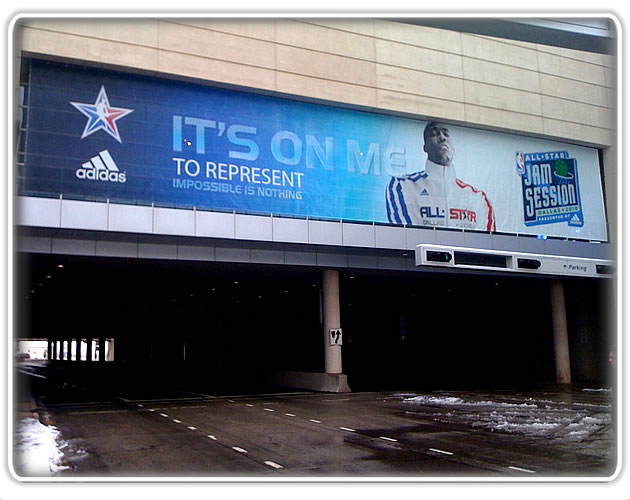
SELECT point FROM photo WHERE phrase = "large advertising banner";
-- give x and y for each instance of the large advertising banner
(105, 135)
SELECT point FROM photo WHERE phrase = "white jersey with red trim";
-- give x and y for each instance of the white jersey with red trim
(436, 197)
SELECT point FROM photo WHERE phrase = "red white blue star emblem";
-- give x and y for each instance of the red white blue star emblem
(101, 116)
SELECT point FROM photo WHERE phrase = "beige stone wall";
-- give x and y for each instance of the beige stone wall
(380, 64)
(469, 79)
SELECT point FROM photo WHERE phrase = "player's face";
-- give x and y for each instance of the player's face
(437, 145)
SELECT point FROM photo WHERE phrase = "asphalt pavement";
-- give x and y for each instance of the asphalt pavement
(551, 433)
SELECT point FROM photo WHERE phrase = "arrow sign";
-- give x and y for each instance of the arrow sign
(336, 337)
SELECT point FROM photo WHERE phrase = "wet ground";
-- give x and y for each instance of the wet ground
(555, 433)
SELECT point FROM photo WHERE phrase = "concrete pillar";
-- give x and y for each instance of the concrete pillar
(560, 333)
(101, 350)
(88, 350)
(332, 319)
(110, 350)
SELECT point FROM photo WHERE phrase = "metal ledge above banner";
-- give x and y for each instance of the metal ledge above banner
(495, 260)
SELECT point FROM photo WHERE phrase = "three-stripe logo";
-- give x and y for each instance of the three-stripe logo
(101, 167)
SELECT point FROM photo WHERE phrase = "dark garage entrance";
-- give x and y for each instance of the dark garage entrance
(218, 328)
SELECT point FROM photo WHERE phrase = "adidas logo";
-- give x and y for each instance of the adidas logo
(575, 219)
(424, 192)
(101, 168)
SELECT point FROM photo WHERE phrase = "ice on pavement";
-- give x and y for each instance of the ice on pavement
(571, 423)
(38, 449)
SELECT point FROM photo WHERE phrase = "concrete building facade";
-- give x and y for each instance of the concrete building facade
(389, 67)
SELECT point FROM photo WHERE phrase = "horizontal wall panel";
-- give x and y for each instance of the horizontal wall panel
(501, 75)
(252, 227)
(418, 58)
(420, 83)
(333, 259)
(416, 236)
(45, 212)
(390, 237)
(129, 218)
(571, 68)
(421, 36)
(214, 45)
(481, 94)
(358, 235)
(561, 109)
(324, 39)
(33, 244)
(303, 258)
(214, 224)
(157, 251)
(91, 49)
(319, 88)
(327, 66)
(325, 233)
(108, 248)
(488, 49)
(261, 29)
(502, 118)
(577, 91)
(259, 256)
(142, 32)
(290, 230)
(193, 252)
(229, 254)
(174, 221)
(84, 215)
(420, 105)
(362, 261)
(213, 70)
(73, 246)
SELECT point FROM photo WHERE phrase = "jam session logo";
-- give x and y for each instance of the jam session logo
(550, 188)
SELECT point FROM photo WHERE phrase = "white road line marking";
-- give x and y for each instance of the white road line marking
(164, 415)
(388, 439)
(192, 428)
(212, 437)
(440, 451)
(314, 421)
(141, 406)
(347, 429)
(151, 409)
(240, 450)
(289, 414)
(269, 409)
(177, 421)
(231, 400)
(274, 465)
(521, 470)
(247, 404)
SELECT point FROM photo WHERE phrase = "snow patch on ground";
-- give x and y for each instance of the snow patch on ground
(535, 418)
(38, 449)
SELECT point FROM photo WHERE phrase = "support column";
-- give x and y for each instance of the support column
(101, 350)
(560, 333)
(332, 319)
(88, 349)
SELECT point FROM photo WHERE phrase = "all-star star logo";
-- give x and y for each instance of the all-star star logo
(101, 116)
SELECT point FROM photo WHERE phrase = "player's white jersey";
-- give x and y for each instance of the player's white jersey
(436, 197)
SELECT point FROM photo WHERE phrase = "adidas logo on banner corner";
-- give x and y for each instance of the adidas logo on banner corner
(101, 167)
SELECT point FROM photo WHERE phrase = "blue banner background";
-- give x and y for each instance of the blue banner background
(341, 187)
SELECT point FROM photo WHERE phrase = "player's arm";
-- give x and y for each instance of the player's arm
(397, 212)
